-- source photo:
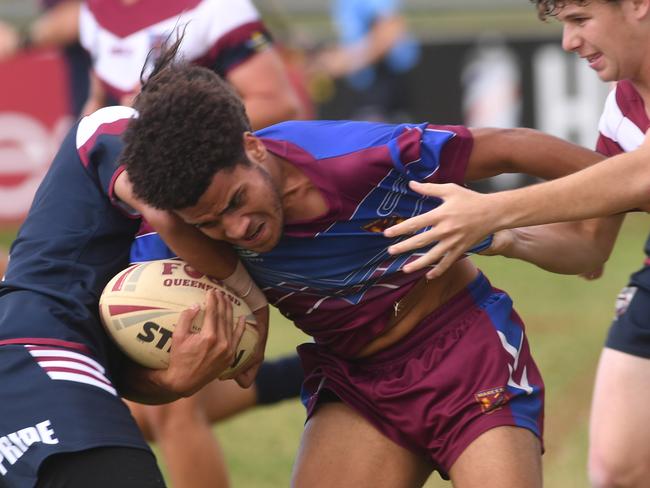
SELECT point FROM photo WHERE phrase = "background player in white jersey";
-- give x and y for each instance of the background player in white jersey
(393, 378)
(613, 37)
(227, 37)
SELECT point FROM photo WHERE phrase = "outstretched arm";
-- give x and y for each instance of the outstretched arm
(465, 217)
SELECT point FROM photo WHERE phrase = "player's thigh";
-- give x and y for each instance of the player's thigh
(620, 416)
(507, 457)
(340, 448)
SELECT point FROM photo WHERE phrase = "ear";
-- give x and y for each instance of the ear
(641, 9)
(255, 149)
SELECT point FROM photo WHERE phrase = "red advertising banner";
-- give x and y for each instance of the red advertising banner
(34, 118)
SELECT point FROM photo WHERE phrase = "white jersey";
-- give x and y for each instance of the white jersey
(622, 128)
(623, 122)
(218, 34)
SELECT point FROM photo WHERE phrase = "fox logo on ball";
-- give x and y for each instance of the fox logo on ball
(141, 305)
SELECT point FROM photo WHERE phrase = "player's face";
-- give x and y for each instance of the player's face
(608, 35)
(241, 206)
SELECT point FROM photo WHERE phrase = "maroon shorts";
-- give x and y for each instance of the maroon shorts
(463, 370)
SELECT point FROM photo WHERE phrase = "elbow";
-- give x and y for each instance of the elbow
(593, 257)
(590, 263)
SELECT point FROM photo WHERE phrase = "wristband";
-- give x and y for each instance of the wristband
(244, 286)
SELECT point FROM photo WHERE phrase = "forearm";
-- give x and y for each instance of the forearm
(214, 258)
(615, 185)
(144, 385)
(566, 248)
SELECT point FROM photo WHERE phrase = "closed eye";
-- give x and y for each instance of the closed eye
(235, 202)
(205, 225)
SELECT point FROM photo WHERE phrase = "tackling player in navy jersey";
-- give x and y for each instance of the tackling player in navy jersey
(62, 421)
(405, 375)
(231, 39)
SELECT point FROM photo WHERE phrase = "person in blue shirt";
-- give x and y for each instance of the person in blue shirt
(375, 54)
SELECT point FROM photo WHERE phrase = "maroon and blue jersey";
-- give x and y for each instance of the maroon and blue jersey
(332, 276)
(74, 239)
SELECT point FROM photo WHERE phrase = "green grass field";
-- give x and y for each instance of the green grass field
(567, 319)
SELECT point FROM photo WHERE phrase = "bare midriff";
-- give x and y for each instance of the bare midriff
(425, 297)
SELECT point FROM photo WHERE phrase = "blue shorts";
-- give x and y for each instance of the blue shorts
(60, 400)
(630, 330)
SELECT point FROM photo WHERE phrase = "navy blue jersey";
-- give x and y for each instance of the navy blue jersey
(333, 275)
(74, 239)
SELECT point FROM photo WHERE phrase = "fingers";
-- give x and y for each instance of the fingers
(217, 318)
(246, 378)
(416, 242)
(443, 265)
(224, 317)
(185, 321)
(431, 189)
(238, 330)
(411, 225)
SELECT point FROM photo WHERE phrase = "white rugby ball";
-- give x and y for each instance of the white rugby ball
(140, 306)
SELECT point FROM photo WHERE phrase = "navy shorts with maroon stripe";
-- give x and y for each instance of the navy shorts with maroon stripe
(463, 370)
(630, 330)
(61, 400)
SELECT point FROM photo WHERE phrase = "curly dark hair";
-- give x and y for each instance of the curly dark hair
(550, 8)
(190, 126)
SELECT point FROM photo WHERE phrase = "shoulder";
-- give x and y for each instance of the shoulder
(331, 138)
(624, 120)
(102, 127)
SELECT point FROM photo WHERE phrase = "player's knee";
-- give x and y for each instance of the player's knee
(607, 470)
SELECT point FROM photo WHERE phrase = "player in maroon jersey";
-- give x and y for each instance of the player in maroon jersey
(394, 377)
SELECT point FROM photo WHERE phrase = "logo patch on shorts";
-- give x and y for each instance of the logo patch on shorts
(492, 399)
(623, 300)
